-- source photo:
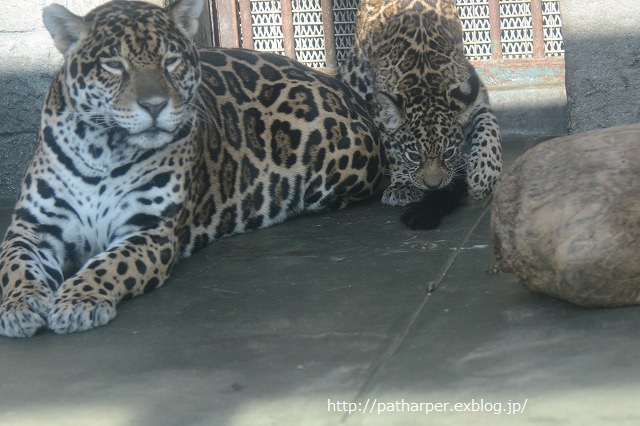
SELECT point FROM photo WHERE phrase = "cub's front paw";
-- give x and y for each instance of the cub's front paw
(401, 195)
(479, 187)
(24, 312)
(80, 313)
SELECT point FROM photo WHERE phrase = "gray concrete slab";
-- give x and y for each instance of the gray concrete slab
(299, 323)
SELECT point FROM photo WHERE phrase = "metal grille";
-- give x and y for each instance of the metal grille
(476, 27)
(266, 23)
(516, 29)
(308, 32)
(492, 29)
(344, 15)
(552, 27)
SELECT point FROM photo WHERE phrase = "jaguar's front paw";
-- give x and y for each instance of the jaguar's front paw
(401, 195)
(81, 313)
(23, 314)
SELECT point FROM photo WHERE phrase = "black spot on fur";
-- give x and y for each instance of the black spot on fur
(171, 210)
(159, 181)
(227, 176)
(284, 142)
(248, 76)
(235, 88)
(270, 73)
(230, 124)
(141, 267)
(248, 174)
(254, 128)
(152, 284)
(270, 93)
(129, 283)
(165, 256)
(122, 268)
(300, 103)
(44, 189)
(143, 220)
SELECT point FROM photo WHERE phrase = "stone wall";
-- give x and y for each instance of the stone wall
(602, 44)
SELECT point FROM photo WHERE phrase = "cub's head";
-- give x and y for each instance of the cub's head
(422, 85)
(424, 138)
(130, 66)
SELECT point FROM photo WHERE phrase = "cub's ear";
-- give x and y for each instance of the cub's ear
(66, 29)
(466, 93)
(390, 112)
(185, 15)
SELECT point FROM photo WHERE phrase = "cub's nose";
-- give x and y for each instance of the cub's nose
(432, 182)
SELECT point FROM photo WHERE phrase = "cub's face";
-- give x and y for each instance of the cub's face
(425, 142)
(131, 67)
(430, 151)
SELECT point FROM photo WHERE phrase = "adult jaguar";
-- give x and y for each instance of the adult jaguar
(148, 150)
(408, 60)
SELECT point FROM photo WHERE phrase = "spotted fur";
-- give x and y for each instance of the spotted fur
(408, 62)
(150, 149)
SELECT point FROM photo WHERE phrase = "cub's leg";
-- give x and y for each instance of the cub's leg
(401, 191)
(134, 266)
(485, 158)
(484, 163)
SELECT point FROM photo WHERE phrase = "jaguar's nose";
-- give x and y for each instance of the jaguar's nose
(153, 106)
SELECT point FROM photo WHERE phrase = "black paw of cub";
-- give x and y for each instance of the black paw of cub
(428, 212)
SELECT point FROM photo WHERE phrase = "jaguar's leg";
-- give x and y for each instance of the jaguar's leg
(30, 273)
(131, 267)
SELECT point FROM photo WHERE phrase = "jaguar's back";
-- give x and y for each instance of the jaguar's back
(283, 139)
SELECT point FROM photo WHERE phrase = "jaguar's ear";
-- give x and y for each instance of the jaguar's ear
(185, 14)
(65, 28)
(390, 111)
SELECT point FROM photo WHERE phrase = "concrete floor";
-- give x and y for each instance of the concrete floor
(297, 324)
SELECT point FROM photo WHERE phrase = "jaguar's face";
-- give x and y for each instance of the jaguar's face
(425, 141)
(133, 70)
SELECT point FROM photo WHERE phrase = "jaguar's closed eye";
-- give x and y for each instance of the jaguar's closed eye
(171, 62)
(113, 66)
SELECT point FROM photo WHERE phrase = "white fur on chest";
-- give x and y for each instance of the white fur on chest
(96, 198)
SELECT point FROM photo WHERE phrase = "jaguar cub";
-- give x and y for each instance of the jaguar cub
(149, 149)
(408, 61)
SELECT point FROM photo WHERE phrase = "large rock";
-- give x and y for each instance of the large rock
(566, 218)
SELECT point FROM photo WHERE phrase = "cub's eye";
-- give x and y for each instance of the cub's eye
(449, 153)
(114, 66)
(413, 156)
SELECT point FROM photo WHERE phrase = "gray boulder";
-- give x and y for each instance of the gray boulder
(566, 218)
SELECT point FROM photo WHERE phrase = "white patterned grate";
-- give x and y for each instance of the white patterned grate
(515, 20)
